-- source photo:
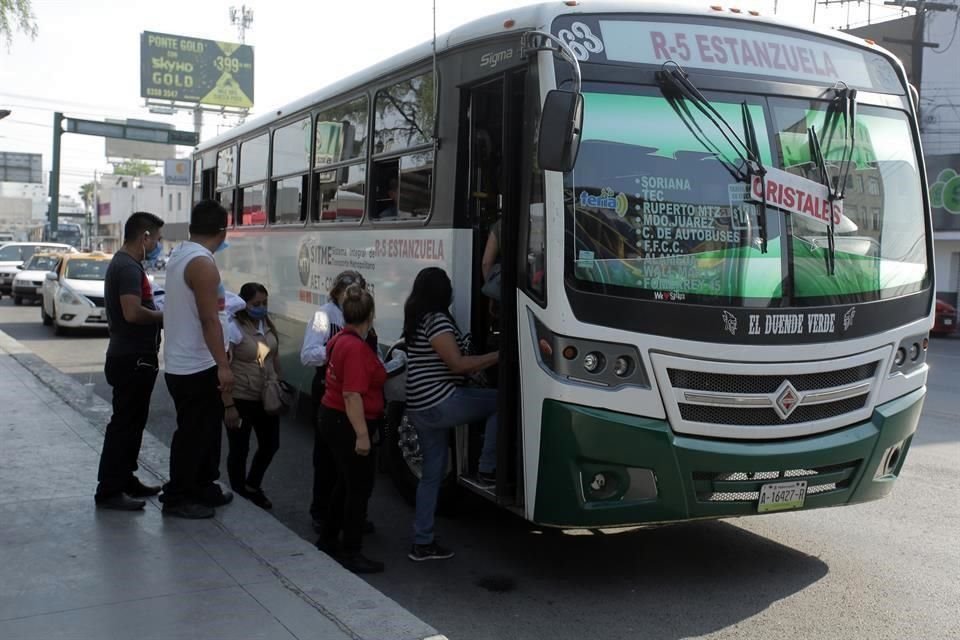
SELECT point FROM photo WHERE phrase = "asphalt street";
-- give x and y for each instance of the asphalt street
(886, 569)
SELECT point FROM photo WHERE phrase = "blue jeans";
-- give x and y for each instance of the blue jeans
(433, 426)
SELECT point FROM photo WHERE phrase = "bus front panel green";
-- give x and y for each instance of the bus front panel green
(599, 468)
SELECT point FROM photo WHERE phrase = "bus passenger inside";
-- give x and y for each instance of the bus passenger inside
(387, 194)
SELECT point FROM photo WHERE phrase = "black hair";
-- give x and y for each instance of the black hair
(343, 280)
(139, 222)
(432, 293)
(357, 305)
(207, 218)
(248, 292)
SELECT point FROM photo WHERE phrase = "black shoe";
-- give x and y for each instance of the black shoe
(215, 496)
(257, 497)
(317, 525)
(137, 489)
(332, 549)
(119, 502)
(359, 563)
(188, 510)
(432, 551)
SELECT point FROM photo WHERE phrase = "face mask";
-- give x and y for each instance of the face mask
(223, 245)
(155, 253)
(257, 313)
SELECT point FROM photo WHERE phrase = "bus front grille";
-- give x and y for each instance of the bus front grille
(768, 400)
(732, 383)
(769, 417)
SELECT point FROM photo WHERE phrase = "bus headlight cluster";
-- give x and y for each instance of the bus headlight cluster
(606, 364)
(911, 354)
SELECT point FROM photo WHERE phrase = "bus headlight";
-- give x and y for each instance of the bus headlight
(560, 357)
(593, 362)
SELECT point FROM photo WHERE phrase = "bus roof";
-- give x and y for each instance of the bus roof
(526, 18)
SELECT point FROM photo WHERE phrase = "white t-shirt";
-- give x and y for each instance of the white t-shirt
(184, 350)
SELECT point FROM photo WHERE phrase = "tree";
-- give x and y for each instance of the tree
(86, 194)
(15, 15)
(135, 168)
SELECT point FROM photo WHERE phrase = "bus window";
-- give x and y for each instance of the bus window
(291, 148)
(227, 167)
(338, 194)
(252, 212)
(226, 198)
(288, 200)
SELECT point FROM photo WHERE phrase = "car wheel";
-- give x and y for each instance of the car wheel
(47, 320)
(405, 461)
(58, 329)
(18, 300)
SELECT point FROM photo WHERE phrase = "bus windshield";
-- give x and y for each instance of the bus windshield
(656, 210)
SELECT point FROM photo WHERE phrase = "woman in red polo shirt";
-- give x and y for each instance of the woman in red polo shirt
(352, 406)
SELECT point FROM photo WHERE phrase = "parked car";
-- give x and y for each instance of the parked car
(28, 283)
(73, 292)
(14, 254)
(945, 319)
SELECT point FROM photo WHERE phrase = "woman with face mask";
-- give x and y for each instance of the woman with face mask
(254, 344)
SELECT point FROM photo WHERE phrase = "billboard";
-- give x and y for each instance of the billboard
(195, 70)
(177, 171)
(21, 167)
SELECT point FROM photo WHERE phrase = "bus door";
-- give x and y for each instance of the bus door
(493, 118)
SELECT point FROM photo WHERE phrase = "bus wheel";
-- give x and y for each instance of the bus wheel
(406, 461)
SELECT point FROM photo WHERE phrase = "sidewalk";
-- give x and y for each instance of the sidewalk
(68, 570)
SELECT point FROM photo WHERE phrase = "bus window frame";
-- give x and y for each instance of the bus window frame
(272, 179)
(394, 154)
(364, 160)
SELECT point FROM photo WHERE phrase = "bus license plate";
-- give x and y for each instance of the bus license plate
(782, 495)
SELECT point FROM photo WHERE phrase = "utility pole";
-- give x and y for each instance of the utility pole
(241, 18)
(53, 212)
(917, 42)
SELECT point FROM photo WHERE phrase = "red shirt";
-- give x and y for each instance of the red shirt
(354, 367)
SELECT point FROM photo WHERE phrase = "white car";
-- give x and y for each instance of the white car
(73, 292)
(28, 283)
(14, 254)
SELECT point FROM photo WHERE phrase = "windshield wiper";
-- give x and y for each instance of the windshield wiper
(844, 106)
(673, 77)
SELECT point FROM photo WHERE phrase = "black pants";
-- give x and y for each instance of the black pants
(348, 503)
(324, 467)
(267, 428)
(132, 378)
(195, 450)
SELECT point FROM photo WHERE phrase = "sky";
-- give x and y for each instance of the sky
(85, 58)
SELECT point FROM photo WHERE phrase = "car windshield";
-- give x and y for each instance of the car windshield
(10, 253)
(655, 210)
(82, 269)
(42, 263)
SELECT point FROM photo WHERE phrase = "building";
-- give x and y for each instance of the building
(939, 88)
(119, 196)
(23, 199)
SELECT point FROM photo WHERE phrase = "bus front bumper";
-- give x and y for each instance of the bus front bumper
(604, 469)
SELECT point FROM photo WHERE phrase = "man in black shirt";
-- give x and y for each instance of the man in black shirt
(131, 365)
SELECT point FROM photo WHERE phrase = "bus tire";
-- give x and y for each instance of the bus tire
(403, 459)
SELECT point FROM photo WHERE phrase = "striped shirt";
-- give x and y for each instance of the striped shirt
(429, 380)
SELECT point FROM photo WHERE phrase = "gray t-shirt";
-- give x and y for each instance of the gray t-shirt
(125, 276)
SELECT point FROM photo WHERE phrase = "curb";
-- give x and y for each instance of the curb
(354, 606)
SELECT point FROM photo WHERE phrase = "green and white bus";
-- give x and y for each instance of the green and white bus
(717, 278)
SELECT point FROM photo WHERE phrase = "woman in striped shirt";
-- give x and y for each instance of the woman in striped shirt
(437, 399)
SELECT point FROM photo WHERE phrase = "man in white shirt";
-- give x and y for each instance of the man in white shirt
(198, 373)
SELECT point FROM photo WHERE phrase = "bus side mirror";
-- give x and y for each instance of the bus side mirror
(560, 127)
